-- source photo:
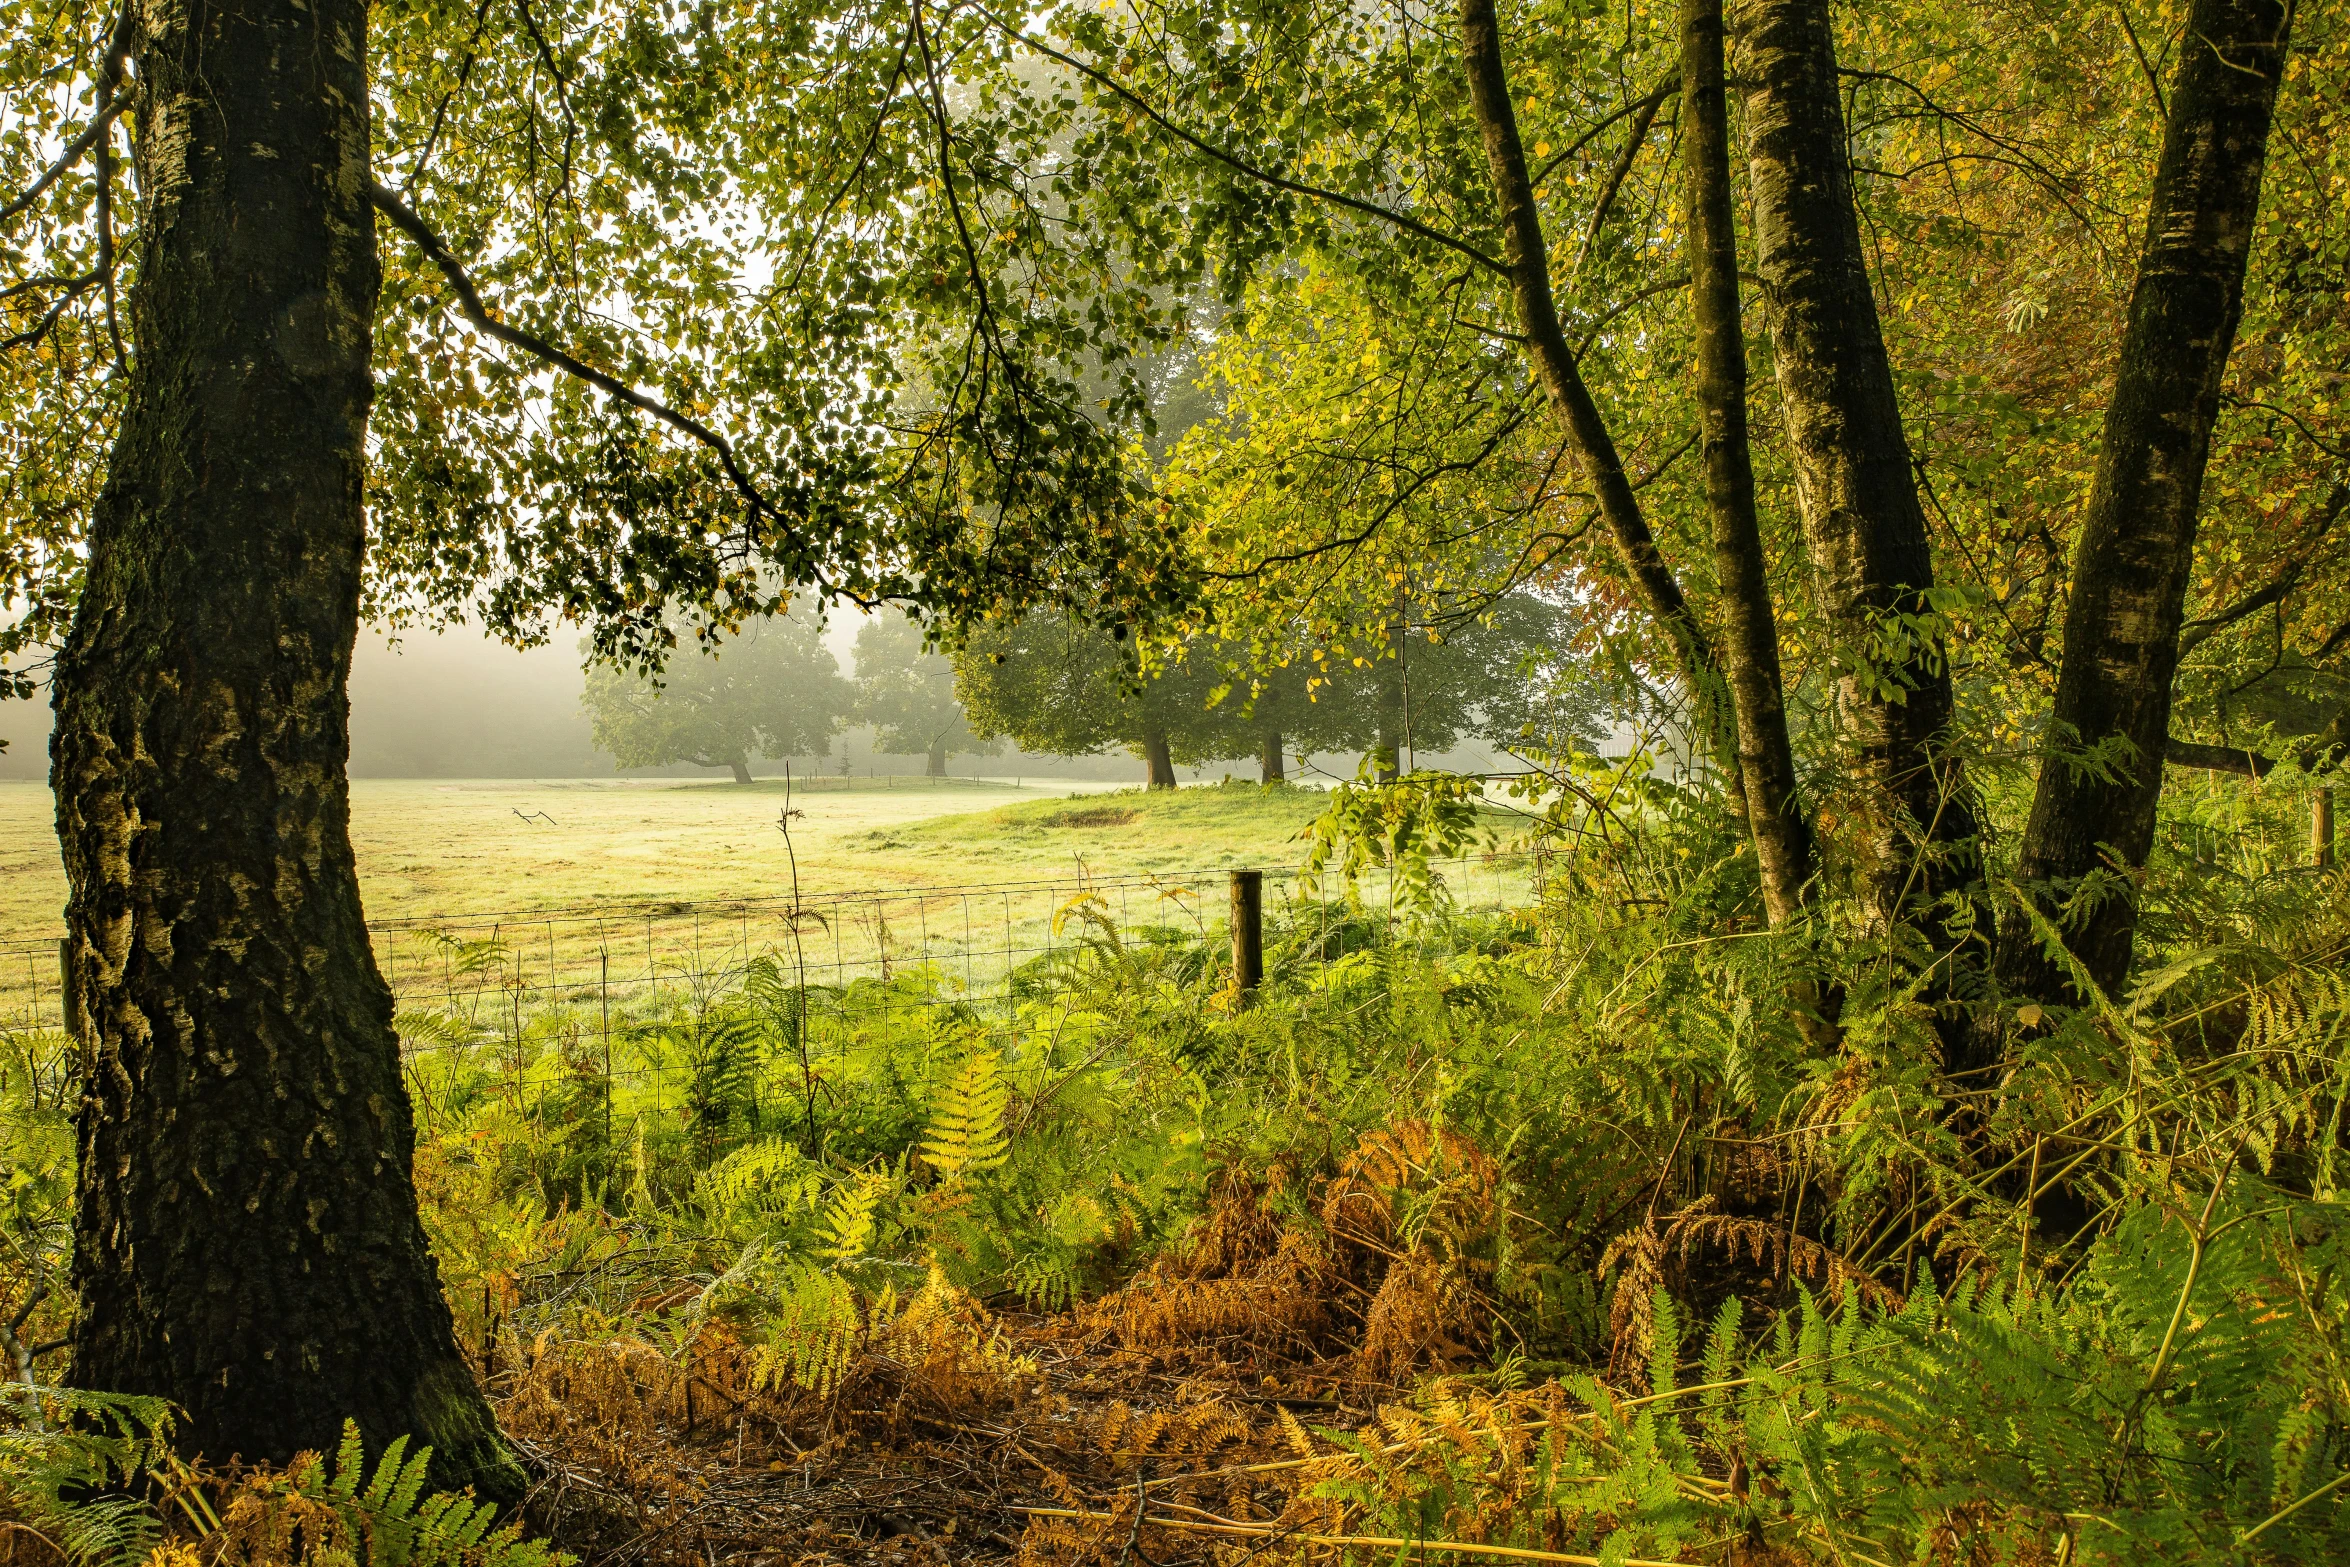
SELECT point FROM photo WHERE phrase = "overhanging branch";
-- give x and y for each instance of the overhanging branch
(404, 217)
(75, 151)
(1238, 165)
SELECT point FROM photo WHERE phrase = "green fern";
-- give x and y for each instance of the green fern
(966, 1132)
(58, 1466)
(396, 1524)
(812, 1328)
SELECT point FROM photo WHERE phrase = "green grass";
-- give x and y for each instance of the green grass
(429, 847)
(1114, 833)
(489, 857)
(626, 883)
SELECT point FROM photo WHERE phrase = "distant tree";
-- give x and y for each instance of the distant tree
(1499, 676)
(1048, 684)
(1252, 705)
(907, 693)
(772, 690)
(1503, 676)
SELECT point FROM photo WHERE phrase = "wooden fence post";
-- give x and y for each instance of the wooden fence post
(1248, 930)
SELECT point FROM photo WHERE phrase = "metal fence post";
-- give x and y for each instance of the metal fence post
(1248, 930)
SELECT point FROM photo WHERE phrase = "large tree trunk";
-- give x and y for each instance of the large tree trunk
(1527, 257)
(246, 1236)
(742, 769)
(938, 757)
(2137, 546)
(1157, 756)
(1269, 758)
(1750, 628)
(1863, 524)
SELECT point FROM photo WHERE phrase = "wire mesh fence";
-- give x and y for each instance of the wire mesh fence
(614, 990)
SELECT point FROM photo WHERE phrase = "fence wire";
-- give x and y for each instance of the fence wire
(588, 985)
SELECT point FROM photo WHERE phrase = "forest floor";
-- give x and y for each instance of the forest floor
(1243, 1393)
(1042, 1459)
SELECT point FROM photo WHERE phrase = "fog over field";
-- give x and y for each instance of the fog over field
(458, 704)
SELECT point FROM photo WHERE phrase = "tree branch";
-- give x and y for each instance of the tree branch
(1241, 166)
(2197, 632)
(469, 303)
(75, 151)
(2217, 758)
(2318, 750)
(1664, 89)
(1617, 174)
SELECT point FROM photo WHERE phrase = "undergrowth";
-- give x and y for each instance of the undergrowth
(1562, 1229)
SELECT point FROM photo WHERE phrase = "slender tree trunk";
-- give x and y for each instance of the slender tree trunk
(246, 1236)
(1158, 757)
(1388, 741)
(1527, 257)
(1750, 628)
(2137, 547)
(1269, 757)
(938, 757)
(742, 769)
(2321, 829)
(1864, 527)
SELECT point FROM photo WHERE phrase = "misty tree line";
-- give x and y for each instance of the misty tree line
(1051, 685)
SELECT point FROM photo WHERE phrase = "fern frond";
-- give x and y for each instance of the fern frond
(966, 1132)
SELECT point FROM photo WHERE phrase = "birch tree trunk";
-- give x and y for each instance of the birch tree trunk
(1749, 624)
(246, 1235)
(2137, 547)
(1863, 525)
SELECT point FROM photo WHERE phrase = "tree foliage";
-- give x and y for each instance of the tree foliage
(906, 690)
(772, 689)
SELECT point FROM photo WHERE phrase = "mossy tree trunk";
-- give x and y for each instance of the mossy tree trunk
(1749, 622)
(246, 1234)
(2136, 553)
(1863, 524)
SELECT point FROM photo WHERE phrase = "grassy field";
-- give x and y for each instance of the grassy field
(556, 872)
(432, 847)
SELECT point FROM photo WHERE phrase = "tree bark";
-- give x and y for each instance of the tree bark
(1387, 744)
(1158, 757)
(1527, 257)
(1863, 525)
(2321, 829)
(938, 757)
(1269, 758)
(246, 1235)
(742, 769)
(1749, 625)
(2136, 553)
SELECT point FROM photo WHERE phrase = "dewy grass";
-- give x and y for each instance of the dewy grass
(429, 847)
